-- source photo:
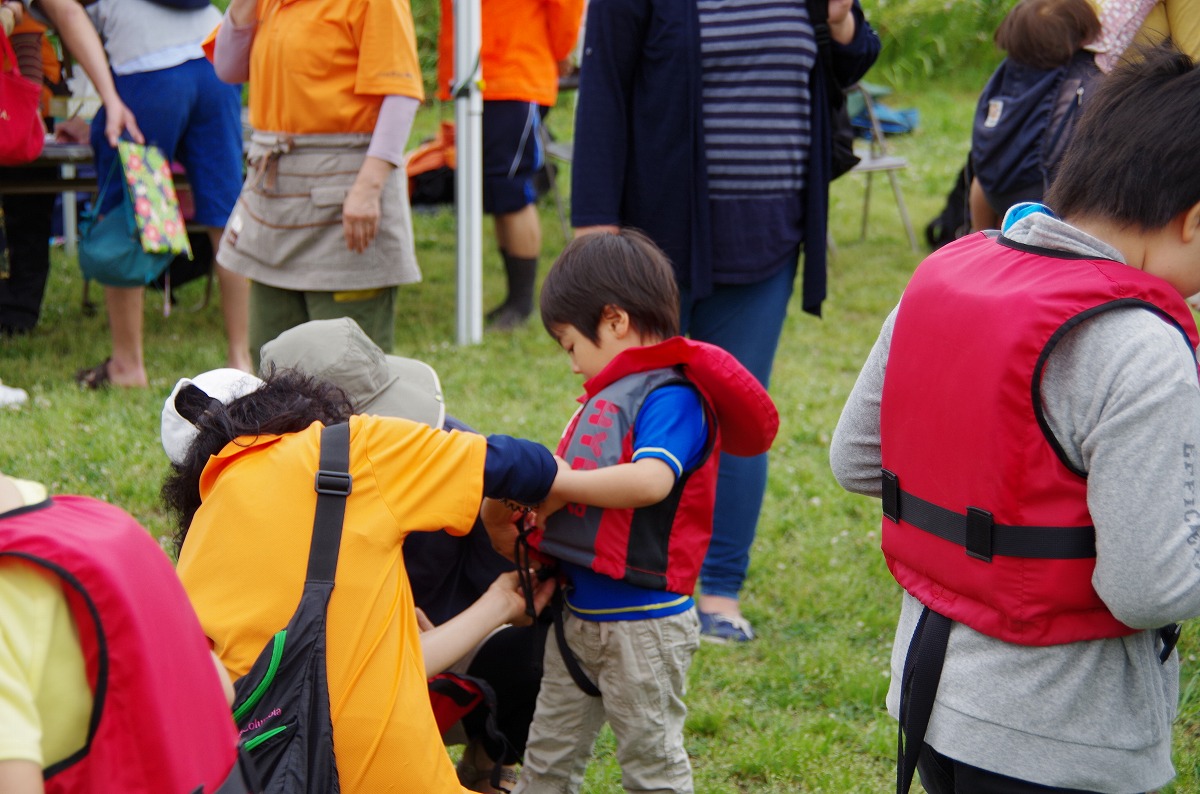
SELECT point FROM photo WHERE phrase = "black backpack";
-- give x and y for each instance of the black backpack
(1024, 120)
(282, 705)
(954, 221)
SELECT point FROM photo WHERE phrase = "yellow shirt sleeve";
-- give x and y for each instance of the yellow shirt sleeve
(430, 479)
(45, 700)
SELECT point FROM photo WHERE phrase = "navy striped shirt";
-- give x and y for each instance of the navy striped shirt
(756, 56)
(756, 59)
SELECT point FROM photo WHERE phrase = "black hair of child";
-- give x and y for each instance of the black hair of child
(1135, 156)
(623, 269)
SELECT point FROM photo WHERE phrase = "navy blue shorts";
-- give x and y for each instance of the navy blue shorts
(512, 154)
(196, 120)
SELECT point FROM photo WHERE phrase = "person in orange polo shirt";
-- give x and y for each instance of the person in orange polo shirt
(322, 227)
(522, 44)
(28, 218)
(243, 453)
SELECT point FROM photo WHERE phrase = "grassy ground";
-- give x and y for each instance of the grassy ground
(801, 709)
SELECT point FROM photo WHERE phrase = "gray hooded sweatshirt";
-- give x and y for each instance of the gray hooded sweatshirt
(1121, 396)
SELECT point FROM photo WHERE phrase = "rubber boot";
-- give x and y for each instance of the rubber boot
(522, 275)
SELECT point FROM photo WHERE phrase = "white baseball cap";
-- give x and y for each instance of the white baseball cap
(224, 385)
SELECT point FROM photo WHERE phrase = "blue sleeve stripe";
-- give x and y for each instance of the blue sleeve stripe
(661, 454)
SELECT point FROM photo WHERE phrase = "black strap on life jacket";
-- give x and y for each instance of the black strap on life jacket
(524, 559)
(981, 538)
(979, 535)
(585, 684)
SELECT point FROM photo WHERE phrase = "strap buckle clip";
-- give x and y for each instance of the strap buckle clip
(334, 483)
(891, 496)
(979, 534)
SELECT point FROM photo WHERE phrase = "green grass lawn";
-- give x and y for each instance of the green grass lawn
(801, 709)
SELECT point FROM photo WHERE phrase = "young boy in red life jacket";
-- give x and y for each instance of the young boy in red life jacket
(630, 537)
(1033, 406)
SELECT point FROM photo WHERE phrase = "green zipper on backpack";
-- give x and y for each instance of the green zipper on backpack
(257, 740)
(256, 695)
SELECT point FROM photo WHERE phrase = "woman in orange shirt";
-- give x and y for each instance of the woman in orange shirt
(244, 454)
(322, 227)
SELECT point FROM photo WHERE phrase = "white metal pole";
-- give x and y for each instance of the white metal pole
(468, 177)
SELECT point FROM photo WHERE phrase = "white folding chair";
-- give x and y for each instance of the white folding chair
(877, 158)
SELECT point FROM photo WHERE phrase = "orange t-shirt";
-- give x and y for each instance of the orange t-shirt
(244, 561)
(324, 66)
(522, 42)
(29, 32)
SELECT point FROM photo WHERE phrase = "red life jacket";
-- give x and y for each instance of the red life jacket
(659, 547)
(993, 528)
(160, 723)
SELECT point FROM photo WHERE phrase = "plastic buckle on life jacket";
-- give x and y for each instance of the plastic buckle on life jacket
(979, 534)
(891, 496)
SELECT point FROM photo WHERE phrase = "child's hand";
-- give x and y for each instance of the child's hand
(501, 523)
(424, 624)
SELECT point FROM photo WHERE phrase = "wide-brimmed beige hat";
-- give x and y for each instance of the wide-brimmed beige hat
(340, 352)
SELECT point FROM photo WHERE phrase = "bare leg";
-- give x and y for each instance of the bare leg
(124, 304)
(235, 307)
(520, 233)
(719, 605)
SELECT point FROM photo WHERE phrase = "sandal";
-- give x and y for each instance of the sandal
(94, 378)
(475, 772)
(508, 781)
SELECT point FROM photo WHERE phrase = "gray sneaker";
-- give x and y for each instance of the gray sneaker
(715, 627)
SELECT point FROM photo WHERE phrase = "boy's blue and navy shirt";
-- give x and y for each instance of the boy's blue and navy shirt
(672, 427)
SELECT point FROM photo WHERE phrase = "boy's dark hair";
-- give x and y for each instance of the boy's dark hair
(1046, 34)
(1135, 155)
(626, 270)
(287, 402)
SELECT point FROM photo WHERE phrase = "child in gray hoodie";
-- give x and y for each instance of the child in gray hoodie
(1033, 405)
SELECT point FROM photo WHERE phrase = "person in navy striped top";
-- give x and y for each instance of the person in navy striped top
(707, 125)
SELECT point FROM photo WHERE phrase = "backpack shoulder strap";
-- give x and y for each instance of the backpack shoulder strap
(333, 484)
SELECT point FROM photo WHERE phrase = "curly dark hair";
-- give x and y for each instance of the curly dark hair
(287, 402)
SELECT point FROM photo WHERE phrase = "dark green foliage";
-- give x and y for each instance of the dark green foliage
(946, 40)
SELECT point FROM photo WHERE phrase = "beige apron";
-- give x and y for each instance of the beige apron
(286, 230)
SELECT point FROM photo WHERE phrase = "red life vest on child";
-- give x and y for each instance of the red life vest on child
(661, 546)
(160, 723)
(993, 528)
